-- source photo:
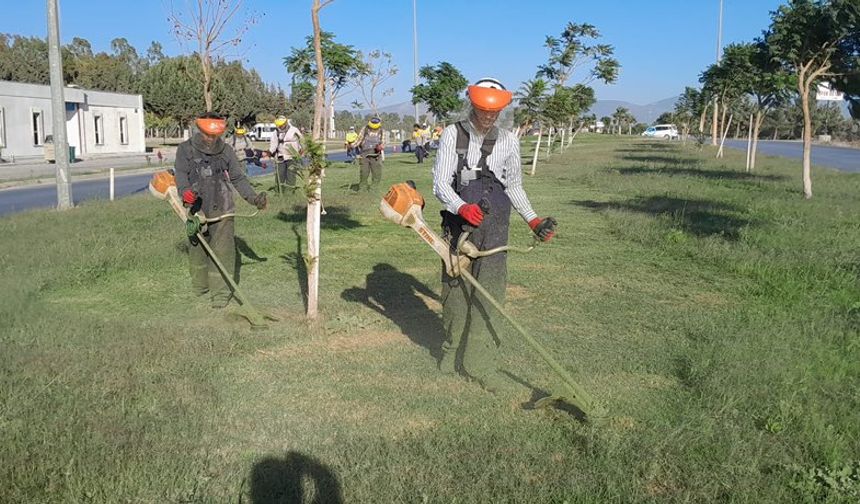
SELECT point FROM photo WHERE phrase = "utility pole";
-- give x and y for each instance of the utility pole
(415, 50)
(58, 110)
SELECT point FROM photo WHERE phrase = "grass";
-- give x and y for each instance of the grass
(715, 314)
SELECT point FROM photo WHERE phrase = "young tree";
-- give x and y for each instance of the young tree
(817, 40)
(341, 66)
(215, 26)
(572, 51)
(377, 67)
(757, 75)
(442, 89)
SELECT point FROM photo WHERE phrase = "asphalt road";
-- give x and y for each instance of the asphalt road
(841, 158)
(45, 196)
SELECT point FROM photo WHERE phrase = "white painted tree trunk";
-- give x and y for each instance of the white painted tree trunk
(549, 143)
(807, 143)
(749, 144)
(759, 118)
(537, 151)
(725, 133)
(562, 145)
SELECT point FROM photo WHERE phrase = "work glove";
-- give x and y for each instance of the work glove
(189, 197)
(472, 213)
(261, 200)
(543, 228)
(192, 226)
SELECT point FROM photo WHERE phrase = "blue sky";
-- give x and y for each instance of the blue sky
(662, 45)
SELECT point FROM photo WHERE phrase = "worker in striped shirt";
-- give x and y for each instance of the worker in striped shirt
(478, 165)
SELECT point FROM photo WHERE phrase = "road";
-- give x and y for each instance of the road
(841, 158)
(45, 196)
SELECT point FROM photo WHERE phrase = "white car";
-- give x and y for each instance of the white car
(667, 131)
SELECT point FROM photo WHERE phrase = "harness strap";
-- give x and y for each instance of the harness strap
(462, 150)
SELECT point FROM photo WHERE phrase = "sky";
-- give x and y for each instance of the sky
(662, 45)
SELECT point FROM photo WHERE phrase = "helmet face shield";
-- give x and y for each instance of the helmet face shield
(281, 121)
(489, 99)
(374, 123)
(211, 126)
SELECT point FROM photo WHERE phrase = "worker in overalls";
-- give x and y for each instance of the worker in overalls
(371, 147)
(207, 172)
(478, 178)
(285, 141)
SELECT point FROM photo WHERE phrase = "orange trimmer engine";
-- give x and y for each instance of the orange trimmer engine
(403, 205)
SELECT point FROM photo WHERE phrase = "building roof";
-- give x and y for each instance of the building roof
(72, 94)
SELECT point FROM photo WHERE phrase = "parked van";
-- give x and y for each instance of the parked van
(262, 132)
(667, 131)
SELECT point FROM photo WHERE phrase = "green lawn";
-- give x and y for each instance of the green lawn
(714, 314)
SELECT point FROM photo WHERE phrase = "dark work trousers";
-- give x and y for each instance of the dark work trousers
(205, 277)
(421, 153)
(471, 324)
(287, 172)
(370, 165)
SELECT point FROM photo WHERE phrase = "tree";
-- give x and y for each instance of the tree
(531, 98)
(572, 51)
(341, 66)
(170, 89)
(442, 89)
(377, 67)
(690, 105)
(623, 117)
(817, 40)
(757, 75)
(209, 24)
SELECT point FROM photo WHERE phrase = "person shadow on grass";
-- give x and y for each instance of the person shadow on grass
(394, 294)
(293, 479)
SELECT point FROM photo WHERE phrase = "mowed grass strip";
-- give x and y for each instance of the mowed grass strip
(713, 313)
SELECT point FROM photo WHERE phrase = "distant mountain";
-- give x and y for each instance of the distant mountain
(643, 113)
(402, 109)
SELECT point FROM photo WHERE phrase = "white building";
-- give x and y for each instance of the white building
(97, 123)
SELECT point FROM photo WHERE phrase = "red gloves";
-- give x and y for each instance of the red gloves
(189, 197)
(472, 213)
(543, 228)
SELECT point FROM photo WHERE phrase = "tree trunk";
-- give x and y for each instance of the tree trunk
(315, 199)
(759, 119)
(206, 63)
(714, 126)
(725, 134)
(749, 143)
(319, 97)
(549, 143)
(537, 151)
(561, 145)
(807, 138)
(702, 118)
(775, 132)
(737, 130)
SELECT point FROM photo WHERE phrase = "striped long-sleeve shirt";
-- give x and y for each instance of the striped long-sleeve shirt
(504, 162)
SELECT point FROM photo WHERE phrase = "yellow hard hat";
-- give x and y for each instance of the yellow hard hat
(281, 121)
(240, 131)
(374, 123)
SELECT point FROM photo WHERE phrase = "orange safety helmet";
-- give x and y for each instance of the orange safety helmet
(489, 95)
(211, 124)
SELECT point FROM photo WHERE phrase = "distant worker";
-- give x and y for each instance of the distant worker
(351, 144)
(371, 146)
(286, 140)
(478, 165)
(206, 173)
(419, 138)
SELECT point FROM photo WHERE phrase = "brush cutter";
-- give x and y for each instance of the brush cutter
(163, 187)
(403, 205)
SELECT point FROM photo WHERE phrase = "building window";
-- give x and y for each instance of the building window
(38, 127)
(123, 130)
(99, 129)
(2, 127)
